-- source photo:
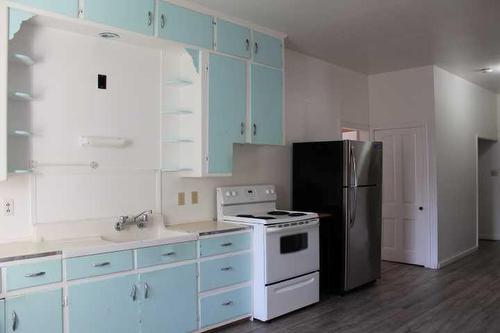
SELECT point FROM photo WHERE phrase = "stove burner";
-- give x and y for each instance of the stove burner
(278, 212)
(256, 217)
(296, 214)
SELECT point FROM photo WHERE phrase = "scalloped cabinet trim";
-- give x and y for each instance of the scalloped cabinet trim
(16, 19)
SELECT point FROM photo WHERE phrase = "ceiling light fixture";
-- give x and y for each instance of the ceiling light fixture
(486, 70)
(108, 35)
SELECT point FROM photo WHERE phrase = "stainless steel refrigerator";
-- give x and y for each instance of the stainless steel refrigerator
(342, 180)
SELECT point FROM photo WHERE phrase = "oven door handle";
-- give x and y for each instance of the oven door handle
(294, 286)
(310, 225)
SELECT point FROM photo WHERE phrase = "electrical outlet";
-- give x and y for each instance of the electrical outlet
(181, 199)
(8, 207)
(194, 197)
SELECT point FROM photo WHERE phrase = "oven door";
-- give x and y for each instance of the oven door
(291, 251)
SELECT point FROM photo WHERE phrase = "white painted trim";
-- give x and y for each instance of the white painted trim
(4, 51)
(491, 237)
(457, 257)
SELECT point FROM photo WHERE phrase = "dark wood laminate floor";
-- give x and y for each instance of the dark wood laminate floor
(462, 297)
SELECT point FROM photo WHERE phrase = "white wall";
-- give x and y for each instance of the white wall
(463, 111)
(319, 96)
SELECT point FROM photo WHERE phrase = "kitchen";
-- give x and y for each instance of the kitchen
(95, 156)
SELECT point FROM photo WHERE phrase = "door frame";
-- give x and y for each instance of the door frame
(431, 225)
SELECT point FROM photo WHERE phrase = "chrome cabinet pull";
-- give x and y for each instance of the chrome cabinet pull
(254, 129)
(30, 275)
(242, 128)
(247, 43)
(102, 264)
(146, 290)
(227, 303)
(256, 47)
(226, 244)
(163, 21)
(225, 269)
(133, 292)
(150, 18)
(168, 254)
(14, 321)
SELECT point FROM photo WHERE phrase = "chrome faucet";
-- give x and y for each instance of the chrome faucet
(139, 220)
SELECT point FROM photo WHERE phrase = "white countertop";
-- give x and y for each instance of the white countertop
(117, 241)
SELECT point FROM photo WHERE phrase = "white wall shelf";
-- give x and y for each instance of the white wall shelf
(22, 59)
(176, 112)
(21, 133)
(21, 171)
(178, 141)
(20, 96)
(178, 83)
(177, 170)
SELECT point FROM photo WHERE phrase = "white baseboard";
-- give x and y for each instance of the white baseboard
(489, 236)
(456, 257)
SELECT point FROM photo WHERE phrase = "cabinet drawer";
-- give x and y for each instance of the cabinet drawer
(33, 274)
(165, 254)
(99, 264)
(221, 307)
(224, 244)
(225, 271)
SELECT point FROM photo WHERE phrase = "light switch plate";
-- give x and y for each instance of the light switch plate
(181, 199)
(194, 197)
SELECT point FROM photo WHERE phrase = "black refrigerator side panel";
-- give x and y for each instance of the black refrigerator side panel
(317, 177)
(317, 187)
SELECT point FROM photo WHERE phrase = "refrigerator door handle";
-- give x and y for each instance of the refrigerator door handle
(354, 167)
(354, 206)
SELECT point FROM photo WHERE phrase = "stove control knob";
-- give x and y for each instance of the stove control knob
(228, 194)
(267, 191)
(272, 191)
(233, 193)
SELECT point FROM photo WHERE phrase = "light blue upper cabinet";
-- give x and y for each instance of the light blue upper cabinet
(35, 313)
(267, 50)
(64, 7)
(266, 105)
(169, 301)
(184, 25)
(132, 15)
(105, 306)
(233, 39)
(2, 316)
(226, 110)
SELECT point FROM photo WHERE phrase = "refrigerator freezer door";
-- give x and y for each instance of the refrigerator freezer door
(362, 163)
(363, 235)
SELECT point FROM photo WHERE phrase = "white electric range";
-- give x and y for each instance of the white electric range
(286, 248)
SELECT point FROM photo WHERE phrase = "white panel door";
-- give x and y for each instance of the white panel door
(404, 219)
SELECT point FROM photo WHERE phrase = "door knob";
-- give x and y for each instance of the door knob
(420, 208)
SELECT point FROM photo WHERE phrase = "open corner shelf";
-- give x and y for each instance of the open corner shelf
(21, 171)
(178, 83)
(20, 96)
(22, 59)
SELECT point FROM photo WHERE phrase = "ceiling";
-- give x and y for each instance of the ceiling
(375, 36)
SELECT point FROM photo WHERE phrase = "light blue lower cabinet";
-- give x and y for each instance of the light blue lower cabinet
(2, 316)
(225, 306)
(225, 271)
(105, 306)
(170, 300)
(39, 312)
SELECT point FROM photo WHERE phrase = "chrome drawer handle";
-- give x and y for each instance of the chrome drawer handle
(226, 244)
(102, 264)
(14, 321)
(247, 42)
(256, 47)
(242, 128)
(254, 129)
(168, 254)
(227, 303)
(225, 269)
(30, 275)
(133, 292)
(146, 290)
